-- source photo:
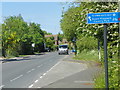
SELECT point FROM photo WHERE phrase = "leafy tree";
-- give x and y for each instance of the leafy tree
(18, 36)
(13, 32)
(37, 36)
(60, 37)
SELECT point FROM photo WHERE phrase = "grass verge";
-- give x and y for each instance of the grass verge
(87, 55)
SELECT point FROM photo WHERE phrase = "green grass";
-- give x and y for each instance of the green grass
(22, 55)
(100, 81)
(87, 55)
(8, 57)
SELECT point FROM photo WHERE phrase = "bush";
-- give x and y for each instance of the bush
(86, 43)
(87, 55)
(54, 47)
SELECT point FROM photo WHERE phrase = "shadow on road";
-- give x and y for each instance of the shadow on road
(11, 60)
(21, 58)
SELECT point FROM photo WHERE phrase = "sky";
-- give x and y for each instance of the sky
(47, 14)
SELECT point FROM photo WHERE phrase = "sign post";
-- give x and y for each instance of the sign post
(104, 18)
(106, 57)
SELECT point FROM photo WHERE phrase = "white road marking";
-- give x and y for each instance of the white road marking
(53, 67)
(44, 74)
(33, 69)
(40, 66)
(41, 76)
(16, 78)
(2, 86)
(36, 81)
(30, 86)
(50, 69)
(30, 70)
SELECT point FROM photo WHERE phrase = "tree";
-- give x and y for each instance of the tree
(18, 36)
(60, 37)
(13, 32)
(37, 36)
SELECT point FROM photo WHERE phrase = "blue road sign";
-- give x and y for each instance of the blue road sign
(99, 18)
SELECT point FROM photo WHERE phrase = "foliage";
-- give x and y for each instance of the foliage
(60, 37)
(87, 55)
(13, 32)
(18, 36)
(54, 47)
(37, 37)
(88, 43)
(49, 42)
(99, 81)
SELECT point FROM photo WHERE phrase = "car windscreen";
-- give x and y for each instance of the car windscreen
(63, 46)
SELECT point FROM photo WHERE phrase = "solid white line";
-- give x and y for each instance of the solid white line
(2, 86)
(36, 81)
(16, 78)
(30, 86)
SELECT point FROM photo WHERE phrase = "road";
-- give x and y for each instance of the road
(22, 73)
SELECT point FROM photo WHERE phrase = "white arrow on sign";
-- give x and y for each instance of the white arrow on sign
(114, 14)
(89, 18)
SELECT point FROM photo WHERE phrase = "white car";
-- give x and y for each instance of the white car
(63, 49)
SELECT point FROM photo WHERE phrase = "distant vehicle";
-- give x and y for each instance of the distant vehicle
(63, 49)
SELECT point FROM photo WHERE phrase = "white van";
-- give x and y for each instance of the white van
(63, 49)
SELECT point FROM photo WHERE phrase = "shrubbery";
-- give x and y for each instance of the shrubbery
(88, 43)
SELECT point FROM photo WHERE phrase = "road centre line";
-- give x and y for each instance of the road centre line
(30, 70)
(39, 66)
(16, 78)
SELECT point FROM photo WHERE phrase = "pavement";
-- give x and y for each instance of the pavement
(70, 73)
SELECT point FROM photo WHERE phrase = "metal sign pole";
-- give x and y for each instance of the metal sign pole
(106, 57)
